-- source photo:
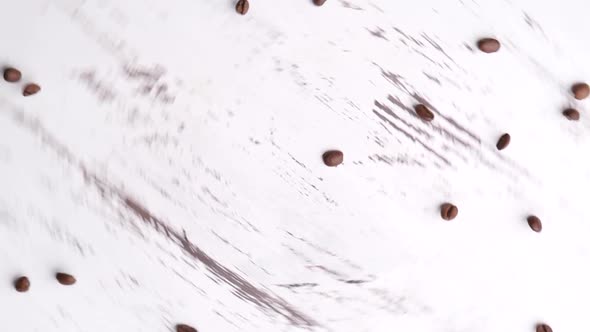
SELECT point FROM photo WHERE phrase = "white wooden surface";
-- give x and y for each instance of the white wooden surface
(172, 163)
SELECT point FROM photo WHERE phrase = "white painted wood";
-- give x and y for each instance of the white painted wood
(172, 163)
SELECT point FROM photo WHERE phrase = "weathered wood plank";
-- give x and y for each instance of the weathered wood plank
(172, 163)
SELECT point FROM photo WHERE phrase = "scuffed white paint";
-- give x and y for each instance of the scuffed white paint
(216, 124)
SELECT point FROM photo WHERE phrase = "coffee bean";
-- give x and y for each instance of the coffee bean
(242, 7)
(22, 284)
(65, 279)
(535, 223)
(580, 90)
(12, 75)
(185, 328)
(423, 112)
(544, 328)
(503, 142)
(448, 211)
(31, 89)
(571, 114)
(333, 158)
(319, 2)
(488, 45)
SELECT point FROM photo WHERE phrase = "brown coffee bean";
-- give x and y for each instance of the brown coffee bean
(12, 75)
(333, 158)
(22, 284)
(580, 90)
(242, 7)
(448, 211)
(535, 223)
(488, 45)
(423, 112)
(503, 142)
(319, 2)
(571, 114)
(65, 279)
(31, 89)
(544, 328)
(185, 328)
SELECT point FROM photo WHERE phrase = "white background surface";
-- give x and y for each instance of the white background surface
(215, 123)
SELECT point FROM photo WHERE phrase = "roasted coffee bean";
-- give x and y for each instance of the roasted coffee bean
(12, 75)
(31, 89)
(448, 211)
(185, 328)
(488, 45)
(22, 284)
(333, 158)
(571, 114)
(423, 112)
(319, 2)
(580, 90)
(65, 279)
(503, 142)
(535, 223)
(242, 7)
(544, 328)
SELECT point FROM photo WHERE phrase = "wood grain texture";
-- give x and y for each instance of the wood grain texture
(172, 163)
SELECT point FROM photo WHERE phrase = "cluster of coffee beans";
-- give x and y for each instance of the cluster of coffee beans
(425, 114)
(449, 211)
(580, 92)
(242, 6)
(332, 158)
(22, 284)
(14, 75)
